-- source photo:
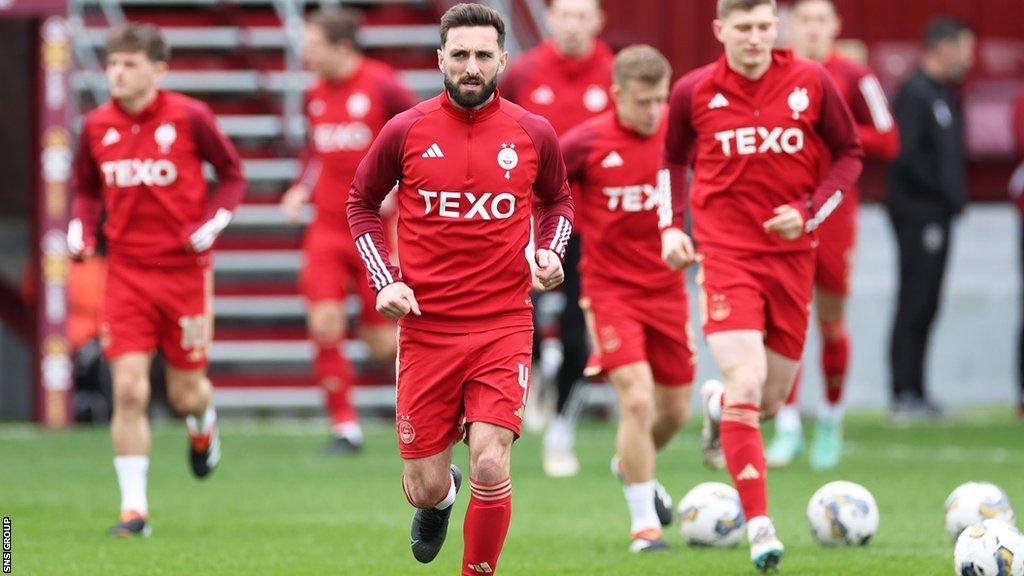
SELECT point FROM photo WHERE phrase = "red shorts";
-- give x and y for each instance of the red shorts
(333, 269)
(652, 328)
(767, 292)
(446, 380)
(837, 238)
(146, 307)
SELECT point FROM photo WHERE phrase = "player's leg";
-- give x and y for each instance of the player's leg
(494, 396)
(788, 442)
(428, 407)
(190, 393)
(129, 336)
(743, 362)
(129, 431)
(333, 372)
(827, 446)
(635, 449)
(559, 458)
(430, 485)
(490, 503)
(186, 331)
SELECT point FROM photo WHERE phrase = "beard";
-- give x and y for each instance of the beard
(471, 100)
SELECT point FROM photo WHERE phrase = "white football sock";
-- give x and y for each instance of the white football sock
(640, 498)
(788, 419)
(832, 413)
(715, 406)
(559, 434)
(450, 498)
(350, 430)
(202, 426)
(131, 477)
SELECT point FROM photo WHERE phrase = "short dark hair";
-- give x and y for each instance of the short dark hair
(340, 26)
(796, 3)
(943, 29)
(464, 15)
(642, 63)
(139, 38)
(726, 7)
(597, 2)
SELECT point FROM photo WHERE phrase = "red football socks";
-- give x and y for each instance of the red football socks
(486, 524)
(744, 456)
(835, 357)
(334, 373)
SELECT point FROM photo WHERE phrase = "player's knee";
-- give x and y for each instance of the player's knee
(490, 465)
(676, 416)
(187, 394)
(131, 393)
(745, 388)
(638, 406)
(424, 493)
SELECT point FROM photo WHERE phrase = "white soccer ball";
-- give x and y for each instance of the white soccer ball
(711, 515)
(992, 548)
(842, 514)
(974, 502)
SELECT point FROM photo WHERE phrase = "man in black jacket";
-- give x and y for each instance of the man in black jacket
(927, 189)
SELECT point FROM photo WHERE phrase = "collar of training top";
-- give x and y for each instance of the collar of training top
(145, 112)
(471, 115)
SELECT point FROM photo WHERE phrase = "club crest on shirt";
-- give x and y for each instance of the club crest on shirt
(799, 101)
(165, 135)
(358, 105)
(508, 158)
(595, 99)
(543, 95)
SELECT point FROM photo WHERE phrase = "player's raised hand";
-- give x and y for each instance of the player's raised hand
(549, 273)
(788, 223)
(676, 249)
(293, 201)
(396, 300)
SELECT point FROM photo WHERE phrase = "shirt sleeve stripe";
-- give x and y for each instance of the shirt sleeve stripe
(664, 198)
(826, 209)
(877, 103)
(368, 261)
(562, 233)
(373, 261)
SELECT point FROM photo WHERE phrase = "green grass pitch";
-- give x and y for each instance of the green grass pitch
(275, 507)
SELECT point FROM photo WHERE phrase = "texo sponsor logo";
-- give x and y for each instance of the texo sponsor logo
(135, 172)
(469, 205)
(638, 198)
(760, 140)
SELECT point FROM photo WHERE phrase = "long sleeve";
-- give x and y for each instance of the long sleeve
(875, 124)
(679, 142)
(552, 202)
(576, 146)
(839, 133)
(214, 147)
(376, 176)
(915, 160)
(88, 204)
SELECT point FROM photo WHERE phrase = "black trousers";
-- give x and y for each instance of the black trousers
(573, 329)
(923, 252)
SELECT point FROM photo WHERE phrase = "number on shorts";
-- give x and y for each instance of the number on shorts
(193, 332)
(524, 379)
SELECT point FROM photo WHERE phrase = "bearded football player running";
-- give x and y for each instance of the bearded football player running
(814, 26)
(760, 126)
(140, 160)
(470, 168)
(639, 305)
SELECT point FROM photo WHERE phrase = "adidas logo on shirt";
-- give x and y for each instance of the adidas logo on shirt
(111, 137)
(612, 160)
(748, 473)
(433, 152)
(718, 101)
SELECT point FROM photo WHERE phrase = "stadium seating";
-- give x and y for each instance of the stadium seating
(240, 57)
